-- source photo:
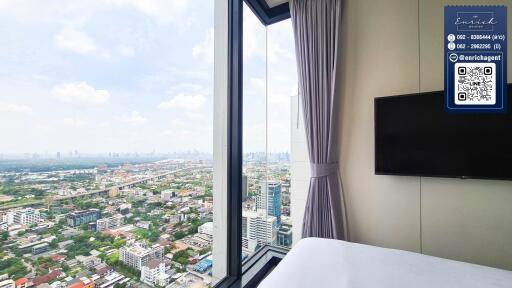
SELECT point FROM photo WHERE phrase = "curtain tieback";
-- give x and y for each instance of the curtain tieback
(323, 169)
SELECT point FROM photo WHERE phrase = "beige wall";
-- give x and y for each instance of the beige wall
(469, 220)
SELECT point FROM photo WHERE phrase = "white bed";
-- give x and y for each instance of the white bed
(316, 263)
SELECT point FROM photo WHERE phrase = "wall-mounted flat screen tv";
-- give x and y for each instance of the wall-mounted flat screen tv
(414, 135)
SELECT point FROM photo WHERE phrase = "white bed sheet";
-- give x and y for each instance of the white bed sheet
(317, 263)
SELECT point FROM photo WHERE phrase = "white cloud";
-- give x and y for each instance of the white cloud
(205, 48)
(190, 88)
(126, 51)
(105, 55)
(80, 93)
(134, 118)
(181, 101)
(281, 46)
(74, 122)
(163, 11)
(15, 108)
(68, 23)
(80, 42)
(27, 10)
(76, 41)
(277, 52)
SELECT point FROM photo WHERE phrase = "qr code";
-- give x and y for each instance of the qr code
(475, 83)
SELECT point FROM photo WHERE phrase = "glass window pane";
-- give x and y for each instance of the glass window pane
(270, 83)
(111, 142)
(256, 230)
(282, 86)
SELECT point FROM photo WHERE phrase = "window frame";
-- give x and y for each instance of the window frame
(266, 14)
(250, 273)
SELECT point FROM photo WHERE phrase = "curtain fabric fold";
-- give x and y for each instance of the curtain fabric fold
(316, 25)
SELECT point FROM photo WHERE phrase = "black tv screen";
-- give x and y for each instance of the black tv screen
(414, 135)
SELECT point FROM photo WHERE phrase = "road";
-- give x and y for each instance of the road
(101, 191)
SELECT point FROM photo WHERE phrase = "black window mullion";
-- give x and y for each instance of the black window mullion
(235, 154)
(234, 142)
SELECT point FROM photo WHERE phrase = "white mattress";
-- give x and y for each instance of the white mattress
(316, 263)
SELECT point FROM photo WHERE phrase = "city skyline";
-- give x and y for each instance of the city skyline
(76, 154)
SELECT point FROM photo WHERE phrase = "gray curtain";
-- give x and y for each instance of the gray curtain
(316, 25)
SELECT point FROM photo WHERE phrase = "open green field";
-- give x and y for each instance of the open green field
(21, 203)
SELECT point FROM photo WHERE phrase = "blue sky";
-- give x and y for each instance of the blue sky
(130, 76)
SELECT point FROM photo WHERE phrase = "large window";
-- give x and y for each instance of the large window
(270, 82)
(122, 159)
(108, 167)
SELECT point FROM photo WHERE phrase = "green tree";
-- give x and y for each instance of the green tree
(119, 243)
(14, 267)
(4, 236)
(54, 243)
(179, 235)
(204, 251)
(181, 257)
(113, 259)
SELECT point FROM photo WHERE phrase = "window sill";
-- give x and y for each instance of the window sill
(260, 264)
(256, 268)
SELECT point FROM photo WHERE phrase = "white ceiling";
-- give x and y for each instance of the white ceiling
(273, 3)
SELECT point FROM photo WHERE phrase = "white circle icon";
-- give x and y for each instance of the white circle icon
(453, 57)
(451, 45)
(451, 37)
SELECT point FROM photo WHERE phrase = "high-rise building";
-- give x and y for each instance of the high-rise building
(24, 216)
(284, 236)
(269, 199)
(206, 228)
(40, 248)
(78, 218)
(153, 273)
(258, 229)
(109, 223)
(167, 195)
(138, 254)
